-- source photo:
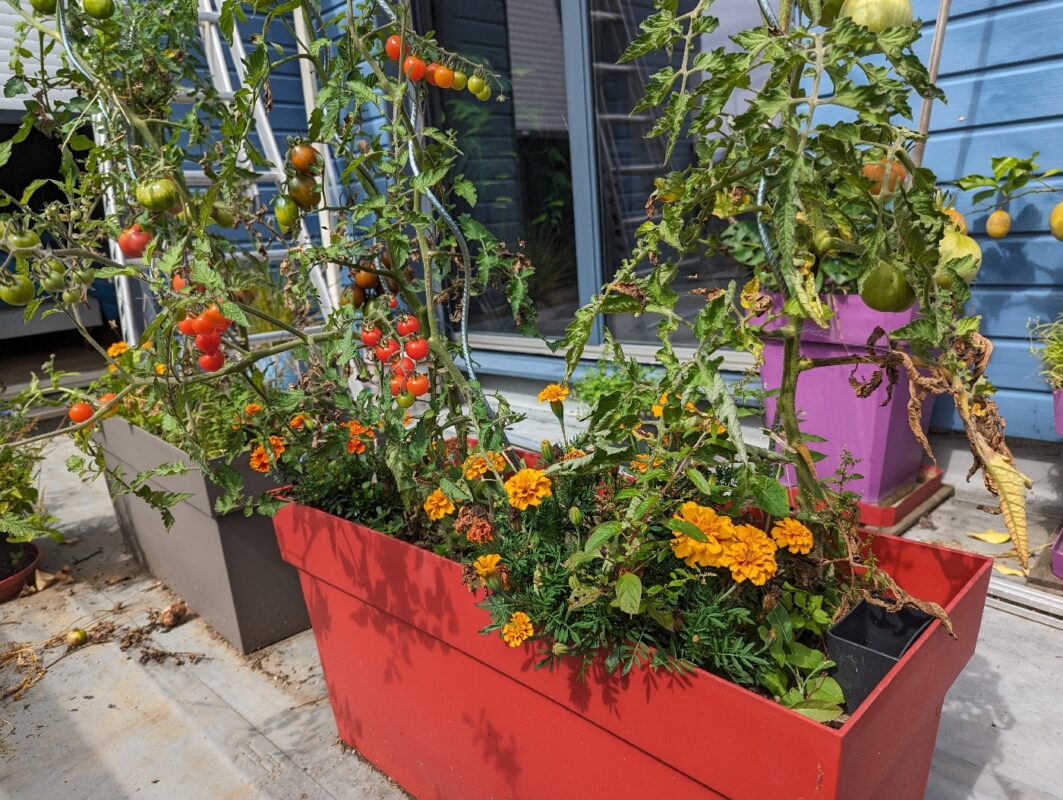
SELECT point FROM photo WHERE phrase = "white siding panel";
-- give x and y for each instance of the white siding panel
(8, 22)
(537, 65)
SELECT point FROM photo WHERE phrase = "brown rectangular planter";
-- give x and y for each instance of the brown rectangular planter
(226, 567)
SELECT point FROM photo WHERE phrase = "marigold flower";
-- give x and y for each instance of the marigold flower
(528, 488)
(160, 369)
(474, 525)
(657, 409)
(260, 459)
(793, 535)
(717, 529)
(355, 446)
(554, 393)
(750, 555)
(277, 443)
(573, 453)
(487, 565)
(437, 505)
(251, 409)
(117, 349)
(641, 462)
(474, 467)
(297, 421)
(518, 629)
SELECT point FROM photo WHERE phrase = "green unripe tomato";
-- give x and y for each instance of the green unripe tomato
(19, 291)
(955, 245)
(21, 240)
(71, 296)
(475, 85)
(76, 637)
(885, 289)
(877, 15)
(286, 211)
(85, 276)
(157, 195)
(405, 400)
(485, 94)
(53, 282)
(828, 10)
(223, 216)
(461, 80)
(98, 9)
(44, 6)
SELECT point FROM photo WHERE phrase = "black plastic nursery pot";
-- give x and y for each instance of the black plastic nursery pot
(226, 567)
(867, 642)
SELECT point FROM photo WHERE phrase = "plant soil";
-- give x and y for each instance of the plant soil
(12, 558)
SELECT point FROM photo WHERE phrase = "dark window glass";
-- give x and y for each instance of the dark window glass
(516, 152)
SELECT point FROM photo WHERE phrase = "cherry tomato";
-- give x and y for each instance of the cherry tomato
(202, 325)
(407, 326)
(303, 190)
(404, 367)
(405, 400)
(187, 326)
(208, 342)
(352, 296)
(79, 412)
(286, 212)
(211, 362)
(393, 47)
(461, 80)
(430, 73)
(444, 77)
(98, 9)
(366, 280)
(417, 349)
(485, 95)
(44, 6)
(385, 351)
(177, 282)
(475, 84)
(371, 336)
(417, 384)
(413, 68)
(220, 322)
(398, 385)
(303, 158)
(104, 400)
(133, 240)
(393, 302)
(19, 292)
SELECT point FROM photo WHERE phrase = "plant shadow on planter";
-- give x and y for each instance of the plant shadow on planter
(448, 712)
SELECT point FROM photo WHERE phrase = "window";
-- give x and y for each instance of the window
(516, 152)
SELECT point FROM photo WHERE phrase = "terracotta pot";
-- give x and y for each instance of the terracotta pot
(12, 584)
(448, 712)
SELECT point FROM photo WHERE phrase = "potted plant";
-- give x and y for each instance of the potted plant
(655, 561)
(1050, 336)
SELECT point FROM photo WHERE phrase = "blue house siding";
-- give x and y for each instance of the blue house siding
(1000, 69)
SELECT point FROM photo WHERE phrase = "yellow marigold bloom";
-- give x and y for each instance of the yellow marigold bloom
(793, 535)
(717, 529)
(259, 459)
(528, 488)
(486, 566)
(160, 369)
(146, 345)
(657, 409)
(554, 393)
(641, 462)
(297, 421)
(277, 443)
(574, 452)
(750, 556)
(117, 349)
(474, 466)
(112, 368)
(438, 505)
(251, 409)
(518, 629)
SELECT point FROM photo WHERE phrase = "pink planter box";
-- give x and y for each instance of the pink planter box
(449, 713)
(878, 436)
(1057, 407)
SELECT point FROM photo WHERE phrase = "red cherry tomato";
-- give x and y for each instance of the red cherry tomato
(133, 241)
(105, 399)
(417, 384)
(430, 73)
(407, 326)
(417, 349)
(202, 325)
(444, 77)
(413, 68)
(220, 322)
(178, 283)
(371, 336)
(211, 362)
(208, 342)
(403, 367)
(187, 326)
(385, 351)
(79, 412)
(393, 46)
(398, 384)
(393, 302)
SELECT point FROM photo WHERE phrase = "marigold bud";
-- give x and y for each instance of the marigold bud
(559, 649)
(575, 516)
(546, 449)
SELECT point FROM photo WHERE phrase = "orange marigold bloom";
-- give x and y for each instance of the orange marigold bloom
(437, 505)
(117, 349)
(476, 465)
(297, 421)
(554, 393)
(518, 629)
(476, 527)
(573, 452)
(528, 488)
(658, 408)
(793, 535)
(750, 556)
(160, 369)
(487, 565)
(717, 529)
(277, 443)
(641, 462)
(260, 459)
(251, 409)
(355, 446)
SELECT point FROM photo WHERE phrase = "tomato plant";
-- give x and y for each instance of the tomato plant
(414, 68)
(417, 349)
(303, 158)
(303, 190)
(158, 195)
(133, 241)
(407, 325)
(80, 412)
(393, 47)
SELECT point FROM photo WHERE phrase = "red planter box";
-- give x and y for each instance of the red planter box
(450, 713)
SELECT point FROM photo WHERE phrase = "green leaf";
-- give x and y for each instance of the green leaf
(687, 528)
(699, 481)
(5, 152)
(452, 490)
(629, 593)
(804, 657)
(818, 710)
(771, 496)
(602, 534)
